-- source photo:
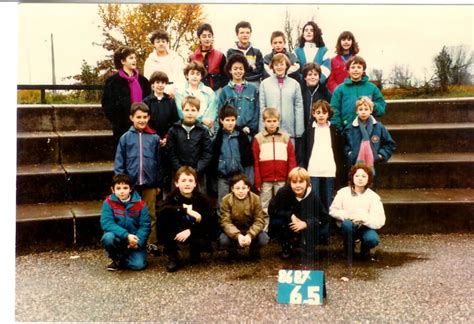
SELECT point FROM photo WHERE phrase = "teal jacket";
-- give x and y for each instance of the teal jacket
(345, 96)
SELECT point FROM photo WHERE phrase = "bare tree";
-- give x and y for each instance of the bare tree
(461, 63)
(401, 76)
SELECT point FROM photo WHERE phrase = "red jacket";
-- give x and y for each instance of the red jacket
(214, 62)
(338, 73)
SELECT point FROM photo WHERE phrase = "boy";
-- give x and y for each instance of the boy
(312, 90)
(357, 85)
(138, 157)
(232, 153)
(254, 57)
(274, 157)
(213, 60)
(189, 142)
(126, 224)
(278, 42)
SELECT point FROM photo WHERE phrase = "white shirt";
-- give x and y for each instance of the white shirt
(321, 163)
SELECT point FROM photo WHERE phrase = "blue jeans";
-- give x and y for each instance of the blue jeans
(232, 245)
(117, 250)
(323, 188)
(351, 232)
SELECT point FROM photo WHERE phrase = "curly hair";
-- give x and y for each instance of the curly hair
(354, 46)
(317, 35)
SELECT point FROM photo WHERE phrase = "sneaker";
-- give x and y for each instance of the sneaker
(113, 266)
(153, 250)
(173, 263)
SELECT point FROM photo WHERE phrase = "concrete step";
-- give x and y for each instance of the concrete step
(73, 146)
(433, 138)
(37, 147)
(427, 170)
(451, 110)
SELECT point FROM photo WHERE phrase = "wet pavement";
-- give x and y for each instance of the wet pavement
(412, 278)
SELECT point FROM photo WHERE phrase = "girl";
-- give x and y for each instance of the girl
(359, 212)
(311, 48)
(346, 47)
(242, 219)
(121, 90)
(185, 217)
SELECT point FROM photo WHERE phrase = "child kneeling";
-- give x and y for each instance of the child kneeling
(125, 221)
(242, 219)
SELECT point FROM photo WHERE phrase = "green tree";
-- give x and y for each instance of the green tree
(131, 25)
(443, 68)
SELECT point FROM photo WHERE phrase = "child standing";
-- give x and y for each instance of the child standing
(242, 219)
(241, 94)
(359, 212)
(185, 217)
(254, 57)
(278, 42)
(344, 97)
(323, 152)
(194, 72)
(188, 141)
(297, 217)
(274, 157)
(213, 60)
(232, 153)
(126, 225)
(346, 47)
(311, 48)
(121, 90)
(138, 156)
(312, 90)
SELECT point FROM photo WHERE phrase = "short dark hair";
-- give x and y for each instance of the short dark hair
(309, 67)
(317, 35)
(242, 24)
(204, 27)
(139, 106)
(186, 170)
(356, 60)
(121, 178)
(195, 65)
(120, 54)
(236, 58)
(239, 177)
(159, 34)
(354, 46)
(159, 76)
(324, 105)
(276, 34)
(227, 111)
(367, 170)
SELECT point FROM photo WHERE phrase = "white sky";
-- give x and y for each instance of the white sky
(387, 34)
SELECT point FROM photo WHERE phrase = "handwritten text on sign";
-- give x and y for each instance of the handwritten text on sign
(300, 287)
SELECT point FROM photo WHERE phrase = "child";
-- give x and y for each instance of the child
(346, 47)
(138, 157)
(185, 217)
(323, 152)
(359, 212)
(126, 224)
(274, 157)
(241, 94)
(254, 57)
(367, 141)
(232, 153)
(163, 115)
(357, 85)
(298, 217)
(284, 93)
(194, 73)
(165, 60)
(121, 90)
(242, 219)
(213, 60)
(188, 141)
(311, 89)
(311, 48)
(278, 42)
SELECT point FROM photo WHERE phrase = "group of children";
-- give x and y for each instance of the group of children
(272, 137)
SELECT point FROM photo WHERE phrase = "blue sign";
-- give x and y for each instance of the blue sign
(301, 287)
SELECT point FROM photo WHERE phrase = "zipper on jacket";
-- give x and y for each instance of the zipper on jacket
(141, 159)
(273, 140)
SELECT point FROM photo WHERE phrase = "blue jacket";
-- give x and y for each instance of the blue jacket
(254, 58)
(138, 156)
(246, 104)
(123, 218)
(381, 141)
(345, 96)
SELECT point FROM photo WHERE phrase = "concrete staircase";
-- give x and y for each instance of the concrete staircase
(65, 164)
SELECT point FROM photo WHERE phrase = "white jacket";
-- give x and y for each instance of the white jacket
(172, 65)
(366, 206)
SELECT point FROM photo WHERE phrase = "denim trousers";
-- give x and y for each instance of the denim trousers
(117, 250)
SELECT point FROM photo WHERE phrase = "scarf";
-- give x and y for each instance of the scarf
(365, 151)
(133, 84)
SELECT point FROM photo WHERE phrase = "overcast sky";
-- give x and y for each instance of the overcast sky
(387, 34)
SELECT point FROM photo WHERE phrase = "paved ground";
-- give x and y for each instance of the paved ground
(414, 278)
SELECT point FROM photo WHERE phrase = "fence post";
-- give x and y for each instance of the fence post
(43, 96)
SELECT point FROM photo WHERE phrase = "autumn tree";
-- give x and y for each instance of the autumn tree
(130, 25)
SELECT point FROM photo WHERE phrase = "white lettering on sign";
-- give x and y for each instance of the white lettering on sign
(288, 276)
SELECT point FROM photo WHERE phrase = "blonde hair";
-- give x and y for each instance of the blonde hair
(364, 100)
(270, 112)
(299, 173)
(191, 100)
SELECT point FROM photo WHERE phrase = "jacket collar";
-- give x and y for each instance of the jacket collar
(266, 133)
(135, 197)
(371, 119)
(147, 130)
(364, 79)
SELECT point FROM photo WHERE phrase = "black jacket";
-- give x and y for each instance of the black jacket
(163, 113)
(309, 97)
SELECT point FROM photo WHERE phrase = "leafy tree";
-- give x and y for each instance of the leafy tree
(131, 25)
(401, 77)
(443, 66)
(89, 76)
